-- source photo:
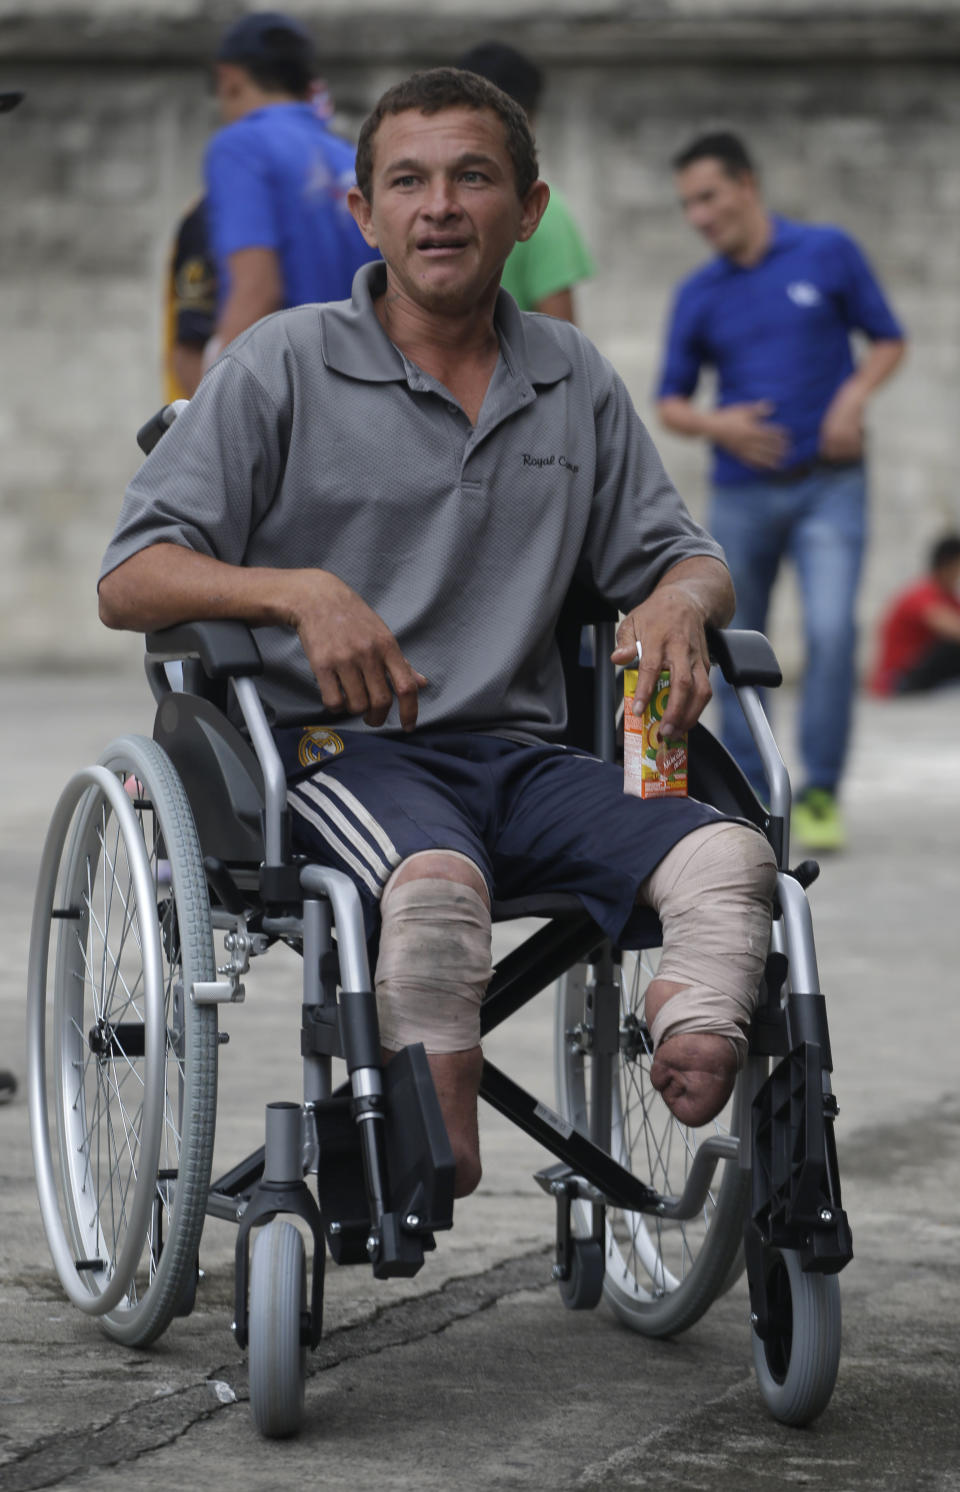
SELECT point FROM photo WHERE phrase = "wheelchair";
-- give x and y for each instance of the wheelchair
(168, 846)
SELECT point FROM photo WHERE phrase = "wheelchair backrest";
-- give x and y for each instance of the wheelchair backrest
(582, 608)
(220, 774)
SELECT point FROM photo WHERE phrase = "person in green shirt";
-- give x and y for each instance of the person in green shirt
(541, 273)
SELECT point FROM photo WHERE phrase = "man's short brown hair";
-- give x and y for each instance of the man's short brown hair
(722, 146)
(451, 88)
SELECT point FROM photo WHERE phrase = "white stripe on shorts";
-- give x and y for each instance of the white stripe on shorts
(319, 790)
(361, 813)
(334, 841)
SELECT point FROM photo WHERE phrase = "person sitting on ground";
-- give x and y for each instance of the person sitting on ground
(397, 492)
(919, 637)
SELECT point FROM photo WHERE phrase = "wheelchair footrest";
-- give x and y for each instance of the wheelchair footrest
(419, 1166)
(796, 1182)
(560, 1180)
(340, 1183)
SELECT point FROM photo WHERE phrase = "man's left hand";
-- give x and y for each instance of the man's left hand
(668, 631)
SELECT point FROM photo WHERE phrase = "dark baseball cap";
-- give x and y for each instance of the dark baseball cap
(9, 101)
(265, 36)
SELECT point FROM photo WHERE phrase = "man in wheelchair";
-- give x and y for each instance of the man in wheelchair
(399, 492)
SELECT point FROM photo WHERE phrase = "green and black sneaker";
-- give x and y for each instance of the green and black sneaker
(816, 820)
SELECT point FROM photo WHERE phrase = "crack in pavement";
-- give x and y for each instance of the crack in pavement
(153, 1423)
(612, 1470)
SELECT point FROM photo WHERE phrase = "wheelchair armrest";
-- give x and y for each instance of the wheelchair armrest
(744, 657)
(225, 649)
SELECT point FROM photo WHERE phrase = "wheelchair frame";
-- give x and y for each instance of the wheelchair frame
(378, 1145)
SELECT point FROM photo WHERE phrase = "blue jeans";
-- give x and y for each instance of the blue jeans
(818, 522)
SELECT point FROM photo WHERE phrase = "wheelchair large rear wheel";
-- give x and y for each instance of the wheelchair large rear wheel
(660, 1275)
(123, 1064)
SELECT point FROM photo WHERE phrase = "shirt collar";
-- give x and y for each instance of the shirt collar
(354, 343)
(352, 340)
(782, 235)
(530, 343)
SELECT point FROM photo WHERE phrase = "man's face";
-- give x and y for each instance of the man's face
(445, 211)
(719, 206)
(231, 86)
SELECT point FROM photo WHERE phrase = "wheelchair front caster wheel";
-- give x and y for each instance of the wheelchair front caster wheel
(277, 1356)
(584, 1289)
(797, 1362)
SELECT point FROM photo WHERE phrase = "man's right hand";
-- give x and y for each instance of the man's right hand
(354, 655)
(744, 430)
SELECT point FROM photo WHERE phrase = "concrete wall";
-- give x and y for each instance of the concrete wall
(854, 114)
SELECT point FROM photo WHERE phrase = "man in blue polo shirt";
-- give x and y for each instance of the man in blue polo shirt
(277, 180)
(772, 315)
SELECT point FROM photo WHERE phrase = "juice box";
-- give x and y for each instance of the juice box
(654, 766)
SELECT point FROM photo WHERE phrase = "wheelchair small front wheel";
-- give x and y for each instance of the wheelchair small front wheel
(583, 1290)
(277, 1311)
(122, 1061)
(797, 1361)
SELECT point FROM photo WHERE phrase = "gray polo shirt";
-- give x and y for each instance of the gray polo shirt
(314, 442)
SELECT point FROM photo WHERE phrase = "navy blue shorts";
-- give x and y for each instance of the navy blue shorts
(533, 818)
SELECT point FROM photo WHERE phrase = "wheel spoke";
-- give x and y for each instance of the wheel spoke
(128, 925)
(659, 1269)
(117, 1104)
(115, 1150)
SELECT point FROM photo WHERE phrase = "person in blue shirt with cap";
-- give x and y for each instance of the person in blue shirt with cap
(772, 315)
(277, 181)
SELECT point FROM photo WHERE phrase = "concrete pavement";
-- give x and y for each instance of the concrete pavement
(472, 1375)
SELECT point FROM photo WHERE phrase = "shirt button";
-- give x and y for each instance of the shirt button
(453, 409)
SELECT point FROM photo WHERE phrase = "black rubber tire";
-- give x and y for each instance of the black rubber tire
(277, 1356)
(103, 958)
(797, 1364)
(583, 1291)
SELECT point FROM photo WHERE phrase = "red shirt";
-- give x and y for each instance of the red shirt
(905, 636)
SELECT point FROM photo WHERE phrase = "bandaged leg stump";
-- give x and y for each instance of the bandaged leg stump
(713, 893)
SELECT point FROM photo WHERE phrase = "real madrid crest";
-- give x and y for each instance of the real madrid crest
(317, 744)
